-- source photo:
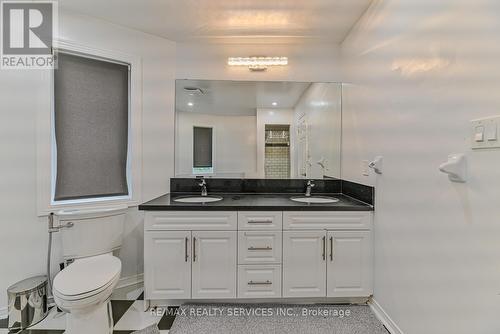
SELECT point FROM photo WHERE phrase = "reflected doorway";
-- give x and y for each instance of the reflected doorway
(277, 151)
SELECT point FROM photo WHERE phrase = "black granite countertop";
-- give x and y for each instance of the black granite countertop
(253, 202)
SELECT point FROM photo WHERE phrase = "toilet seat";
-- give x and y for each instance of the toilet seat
(87, 278)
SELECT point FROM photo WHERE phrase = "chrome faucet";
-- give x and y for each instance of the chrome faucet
(309, 187)
(203, 185)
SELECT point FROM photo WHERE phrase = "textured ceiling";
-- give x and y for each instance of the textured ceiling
(187, 20)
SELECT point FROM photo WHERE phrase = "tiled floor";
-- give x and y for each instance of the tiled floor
(128, 315)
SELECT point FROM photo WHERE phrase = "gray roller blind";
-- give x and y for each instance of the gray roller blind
(91, 127)
(202, 147)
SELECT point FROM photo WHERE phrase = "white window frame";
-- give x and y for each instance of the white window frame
(46, 145)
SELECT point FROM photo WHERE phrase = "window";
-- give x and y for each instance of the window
(202, 150)
(91, 129)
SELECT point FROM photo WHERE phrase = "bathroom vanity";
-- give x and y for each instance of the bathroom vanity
(257, 246)
(266, 228)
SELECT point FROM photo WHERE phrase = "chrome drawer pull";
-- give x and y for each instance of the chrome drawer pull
(268, 282)
(260, 248)
(260, 222)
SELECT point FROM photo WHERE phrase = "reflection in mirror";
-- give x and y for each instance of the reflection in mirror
(243, 129)
(203, 150)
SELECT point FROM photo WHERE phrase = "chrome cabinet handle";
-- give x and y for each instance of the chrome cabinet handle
(324, 248)
(268, 282)
(194, 249)
(331, 249)
(186, 250)
(259, 248)
(260, 222)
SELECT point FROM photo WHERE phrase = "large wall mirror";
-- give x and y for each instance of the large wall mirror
(247, 129)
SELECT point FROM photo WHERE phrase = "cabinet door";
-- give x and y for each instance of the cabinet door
(214, 264)
(167, 265)
(304, 263)
(350, 264)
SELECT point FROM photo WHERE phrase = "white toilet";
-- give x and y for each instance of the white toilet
(83, 288)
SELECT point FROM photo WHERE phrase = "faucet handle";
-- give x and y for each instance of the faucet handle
(202, 183)
(311, 183)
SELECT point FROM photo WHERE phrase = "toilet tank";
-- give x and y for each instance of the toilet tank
(92, 231)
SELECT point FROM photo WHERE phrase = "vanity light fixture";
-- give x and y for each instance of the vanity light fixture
(190, 104)
(257, 64)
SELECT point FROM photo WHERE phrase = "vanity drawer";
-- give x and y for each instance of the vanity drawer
(190, 220)
(259, 281)
(260, 220)
(259, 247)
(329, 220)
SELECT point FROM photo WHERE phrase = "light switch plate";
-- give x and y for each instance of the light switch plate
(489, 125)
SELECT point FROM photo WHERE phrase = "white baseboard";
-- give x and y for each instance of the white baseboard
(4, 312)
(130, 280)
(384, 317)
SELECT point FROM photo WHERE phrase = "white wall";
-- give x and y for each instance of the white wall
(234, 138)
(273, 116)
(307, 61)
(23, 241)
(322, 106)
(420, 70)
(23, 237)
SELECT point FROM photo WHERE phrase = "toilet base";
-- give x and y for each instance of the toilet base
(96, 320)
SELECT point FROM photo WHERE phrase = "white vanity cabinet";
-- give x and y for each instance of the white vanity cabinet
(167, 265)
(349, 263)
(209, 255)
(187, 257)
(214, 264)
(327, 254)
(304, 264)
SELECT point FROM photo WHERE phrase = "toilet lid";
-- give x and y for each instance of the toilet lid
(87, 274)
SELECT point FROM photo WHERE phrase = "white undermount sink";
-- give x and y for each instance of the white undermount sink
(198, 199)
(315, 199)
